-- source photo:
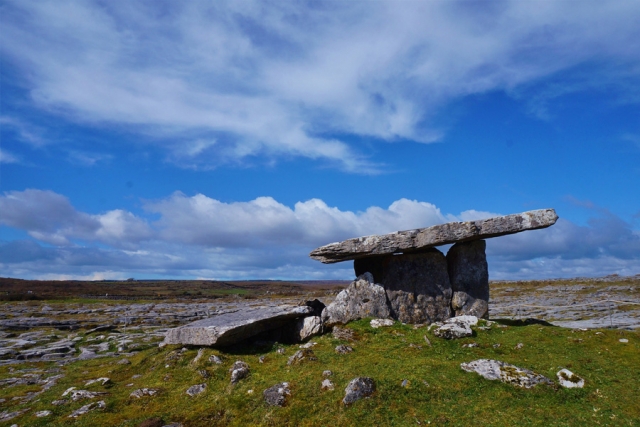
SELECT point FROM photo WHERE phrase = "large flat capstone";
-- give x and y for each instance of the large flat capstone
(423, 238)
(232, 327)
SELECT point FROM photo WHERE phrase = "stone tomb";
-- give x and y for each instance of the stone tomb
(422, 285)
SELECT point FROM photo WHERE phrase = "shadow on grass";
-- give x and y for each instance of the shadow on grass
(522, 322)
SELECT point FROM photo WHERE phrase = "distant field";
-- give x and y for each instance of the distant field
(20, 290)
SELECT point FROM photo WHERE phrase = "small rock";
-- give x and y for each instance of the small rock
(204, 373)
(141, 392)
(124, 362)
(343, 349)
(568, 379)
(327, 373)
(238, 371)
(358, 388)
(215, 359)
(470, 345)
(518, 346)
(308, 345)
(623, 340)
(405, 383)
(497, 345)
(302, 355)
(280, 350)
(510, 374)
(103, 381)
(378, 323)
(41, 414)
(86, 408)
(277, 395)
(198, 356)
(197, 389)
(416, 346)
(327, 385)
(59, 402)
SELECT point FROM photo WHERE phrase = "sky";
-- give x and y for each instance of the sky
(226, 140)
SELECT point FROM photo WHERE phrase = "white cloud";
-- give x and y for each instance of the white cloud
(7, 157)
(197, 236)
(273, 78)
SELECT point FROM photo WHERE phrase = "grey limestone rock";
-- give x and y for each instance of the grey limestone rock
(238, 371)
(469, 276)
(86, 408)
(510, 374)
(423, 238)
(197, 389)
(362, 298)
(234, 326)
(456, 327)
(141, 392)
(277, 394)
(379, 323)
(302, 355)
(416, 285)
(358, 388)
(568, 379)
(343, 349)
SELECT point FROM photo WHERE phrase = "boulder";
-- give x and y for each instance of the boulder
(235, 326)
(510, 374)
(362, 298)
(277, 394)
(424, 238)
(416, 285)
(357, 389)
(469, 277)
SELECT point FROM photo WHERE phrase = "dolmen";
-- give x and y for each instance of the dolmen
(418, 283)
(399, 276)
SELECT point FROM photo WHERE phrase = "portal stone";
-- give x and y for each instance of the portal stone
(469, 276)
(417, 285)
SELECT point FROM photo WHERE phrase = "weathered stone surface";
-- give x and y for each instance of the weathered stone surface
(141, 392)
(358, 388)
(343, 349)
(238, 371)
(303, 329)
(423, 238)
(86, 408)
(379, 323)
(417, 285)
(469, 277)
(456, 327)
(568, 379)
(510, 374)
(235, 326)
(362, 298)
(277, 394)
(305, 354)
(197, 389)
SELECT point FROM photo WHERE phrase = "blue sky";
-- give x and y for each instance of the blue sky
(225, 140)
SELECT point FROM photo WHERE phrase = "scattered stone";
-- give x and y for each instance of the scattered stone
(238, 371)
(86, 354)
(261, 359)
(277, 394)
(41, 414)
(327, 373)
(235, 326)
(280, 350)
(497, 345)
(456, 327)
(309, 345)
(343, 334)
(623, 340)
(197, 389)
(343, 349)
(405, 383)
(59, 402)
(198, 356)
(6, 415)
(86, 408)
(427, 340)
(416, 346)
(510, 374)
(470, 345)
(204, 373)
(469, 276)
(362, 298)
(124, 362)
(568, 379)
(215, 359)
(302, 355)
(378, 323)
(416, 285)
(103, 381)
(82, 394)
(423, 238)
(327, 385)
(358, 388)
(141, 392)
(518, 346)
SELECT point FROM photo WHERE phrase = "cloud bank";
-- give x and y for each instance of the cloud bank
(198, 236)
(216, 82)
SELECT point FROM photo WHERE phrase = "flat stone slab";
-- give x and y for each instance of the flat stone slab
(232, 327)
(424, 238)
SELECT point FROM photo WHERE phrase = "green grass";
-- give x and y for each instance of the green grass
(438, 391)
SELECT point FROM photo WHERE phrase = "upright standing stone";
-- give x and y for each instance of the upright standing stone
(469, 276)
(417, 285)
